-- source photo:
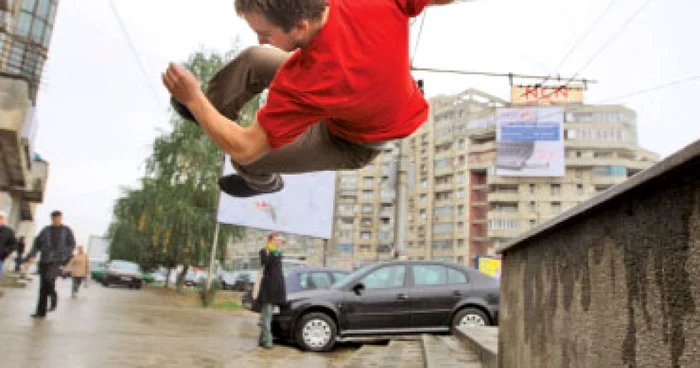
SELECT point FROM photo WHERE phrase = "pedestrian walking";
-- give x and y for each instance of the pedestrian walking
(271, 291)
(8, 242)
(79, 267)
(55, 243)
(340, 89)
(21, 248)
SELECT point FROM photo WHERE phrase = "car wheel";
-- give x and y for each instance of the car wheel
(138, 285)
(316, 332)
(105, 283)
(470, 317)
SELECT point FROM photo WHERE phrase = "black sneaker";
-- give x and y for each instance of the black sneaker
(182, 110)
(37, 315)
(235, 186)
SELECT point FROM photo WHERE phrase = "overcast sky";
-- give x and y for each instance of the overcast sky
(99, 113)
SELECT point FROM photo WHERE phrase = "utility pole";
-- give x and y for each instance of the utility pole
(401, 193)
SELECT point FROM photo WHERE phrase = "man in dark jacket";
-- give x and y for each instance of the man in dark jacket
(8, 242)
(55, 243)
(272, 291)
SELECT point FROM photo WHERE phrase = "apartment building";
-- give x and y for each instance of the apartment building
(25, 33)
(363, 223)
(600, 150)
(438, 195)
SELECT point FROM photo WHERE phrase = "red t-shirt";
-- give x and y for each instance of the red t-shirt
(354, 75)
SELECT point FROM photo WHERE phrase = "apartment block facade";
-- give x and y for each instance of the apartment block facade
(26, 27)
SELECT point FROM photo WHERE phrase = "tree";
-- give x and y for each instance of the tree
(170, 219)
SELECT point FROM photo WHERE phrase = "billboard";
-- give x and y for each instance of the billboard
(489, 265)
(304, 206)
(530, 142)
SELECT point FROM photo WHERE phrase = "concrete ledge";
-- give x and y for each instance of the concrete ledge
(482, 341)
(655, 172)
(446, 352)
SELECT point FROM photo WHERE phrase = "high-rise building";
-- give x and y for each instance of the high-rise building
(363, 226)
(458, 208)
(438, 200)
(25, 33)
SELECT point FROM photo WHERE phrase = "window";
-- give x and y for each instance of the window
(337, 276)
(385, 278)
(460, 193)
(424, 183)
(442, 244)
(460, 226)
(460, 243)
(578, 154)
(556, 207)
(533, 206)
(578, 174)
(315, 280)
(556, 189)
(462, 143)
(367, 181)
(503, 224)
(533, 223)
(429, 275)
(366, 235)
(579, 188)
(532, 188)
(347, 220)
(460, 210)
(367, 194)
(423, 215)
(443, 211)
(423, 198)
(367, 208)
(455, 276)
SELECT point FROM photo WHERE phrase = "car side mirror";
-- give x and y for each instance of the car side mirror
(358, 288)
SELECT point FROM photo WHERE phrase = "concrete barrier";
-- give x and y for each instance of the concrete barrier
(483, 342)
(615, 282)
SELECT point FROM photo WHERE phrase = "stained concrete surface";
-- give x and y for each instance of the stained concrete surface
(113, 327)
(615, 286)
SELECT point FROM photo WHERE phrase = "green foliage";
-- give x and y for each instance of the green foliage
(170, 219)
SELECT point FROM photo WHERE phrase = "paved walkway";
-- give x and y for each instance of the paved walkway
(113, 327)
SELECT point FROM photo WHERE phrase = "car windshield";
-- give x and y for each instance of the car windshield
(348, 279)
(125, 266)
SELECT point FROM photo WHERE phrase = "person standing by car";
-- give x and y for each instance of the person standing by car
(55, 243)
(79, 267)
(272, 290)
(8, 242)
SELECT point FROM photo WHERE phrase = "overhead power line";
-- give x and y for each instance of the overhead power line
(583, 36)
(609, 42)
(133, 49)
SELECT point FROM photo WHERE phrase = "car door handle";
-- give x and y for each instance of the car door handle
(402, 297)
(458, 293)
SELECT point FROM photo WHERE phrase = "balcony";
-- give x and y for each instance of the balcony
(487, 132)
(34, 192)
(504, 233)
(443, 236)
(444, 170)
(443, 219)
(15, 143)
(608, 180)
(445, 187)
(482, 147)
(504, 197)
(601, 161)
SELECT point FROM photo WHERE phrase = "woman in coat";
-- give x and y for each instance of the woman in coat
(272, 291)
(79, 267)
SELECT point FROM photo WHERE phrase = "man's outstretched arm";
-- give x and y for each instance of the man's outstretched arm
(244, 144)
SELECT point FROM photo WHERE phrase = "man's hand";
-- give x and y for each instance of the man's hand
(182, 84)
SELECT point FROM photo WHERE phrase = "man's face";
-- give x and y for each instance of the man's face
(57, 220)
(277, 241)
(270, 34)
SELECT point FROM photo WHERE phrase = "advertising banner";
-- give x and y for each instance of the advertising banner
(530, 142)
(303, 207)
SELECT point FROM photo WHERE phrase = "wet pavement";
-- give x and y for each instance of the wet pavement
(113, 327)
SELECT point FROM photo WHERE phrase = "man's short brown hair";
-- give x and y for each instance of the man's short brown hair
(283, 13)
(272, 236)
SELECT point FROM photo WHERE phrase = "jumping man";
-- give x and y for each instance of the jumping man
(340, 89)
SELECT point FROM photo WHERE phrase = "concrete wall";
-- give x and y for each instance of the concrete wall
(613, 283)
